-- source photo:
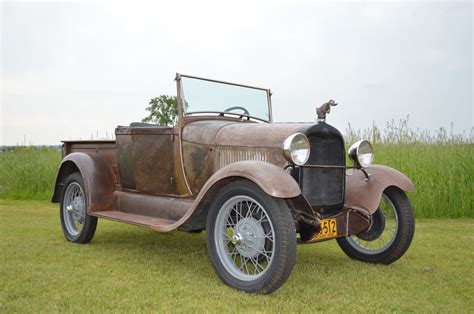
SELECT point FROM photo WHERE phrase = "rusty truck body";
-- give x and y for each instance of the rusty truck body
(257, 187)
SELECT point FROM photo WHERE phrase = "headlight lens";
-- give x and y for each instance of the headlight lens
(362, 153)
(296, 149)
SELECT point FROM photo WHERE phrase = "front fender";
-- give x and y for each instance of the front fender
(98, 179)
(366, 195)
(271, 179)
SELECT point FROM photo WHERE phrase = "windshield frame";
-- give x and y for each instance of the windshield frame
(182, 113)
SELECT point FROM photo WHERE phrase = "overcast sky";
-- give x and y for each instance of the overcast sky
(73, 69)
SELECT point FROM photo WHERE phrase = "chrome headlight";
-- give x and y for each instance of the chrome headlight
(361, 153)
(296, 149)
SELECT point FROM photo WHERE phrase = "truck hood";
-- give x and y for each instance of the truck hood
(230, 133)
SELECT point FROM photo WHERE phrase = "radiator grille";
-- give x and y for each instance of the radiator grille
(324, 187)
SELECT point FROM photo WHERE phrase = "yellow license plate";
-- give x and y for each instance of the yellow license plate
(328, 229)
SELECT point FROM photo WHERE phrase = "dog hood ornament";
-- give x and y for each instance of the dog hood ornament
(325, 109)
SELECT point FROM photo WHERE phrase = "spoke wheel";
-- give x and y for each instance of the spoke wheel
(389, 236)
(251, 238)
(74, 208)
(244, 238)
(382, 232)
(77, 225)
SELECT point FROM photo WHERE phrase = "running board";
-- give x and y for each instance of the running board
(163, 207)
(160, 213)
(134, 219)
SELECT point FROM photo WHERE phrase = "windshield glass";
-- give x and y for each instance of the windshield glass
(206, 96)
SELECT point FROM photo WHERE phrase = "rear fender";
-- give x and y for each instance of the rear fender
(98, 180)
(365, 195)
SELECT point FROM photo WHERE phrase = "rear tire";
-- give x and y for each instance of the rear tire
(77, 225)
(370, 246)
(251, 238)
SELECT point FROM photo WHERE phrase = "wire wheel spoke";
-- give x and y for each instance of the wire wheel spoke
(266, 255)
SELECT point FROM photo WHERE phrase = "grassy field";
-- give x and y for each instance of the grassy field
(130, 269)
(443, 176)
(440, 164)
(442, 169)
(28, 173)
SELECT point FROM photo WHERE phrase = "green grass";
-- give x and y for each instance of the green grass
(28, 172)
(442, 173)
(132, 269)
(440, 164)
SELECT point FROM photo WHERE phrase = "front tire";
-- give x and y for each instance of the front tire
(251, 238)
(391, 233)
(77, 225)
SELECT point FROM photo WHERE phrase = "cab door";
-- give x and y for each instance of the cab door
(146, 159)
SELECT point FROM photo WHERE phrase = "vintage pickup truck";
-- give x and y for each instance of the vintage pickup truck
(257, 187)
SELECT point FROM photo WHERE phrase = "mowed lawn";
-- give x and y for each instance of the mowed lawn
(127, 268)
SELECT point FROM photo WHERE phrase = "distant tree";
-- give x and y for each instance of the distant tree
(163, 110)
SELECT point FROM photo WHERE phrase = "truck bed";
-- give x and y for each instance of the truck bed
(88, 146)
(161, 213)
(105, 148)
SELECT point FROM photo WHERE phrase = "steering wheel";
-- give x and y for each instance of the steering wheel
(239, 108)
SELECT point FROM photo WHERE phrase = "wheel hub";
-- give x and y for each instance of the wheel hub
(236, 239)
(77, 209)
(249, 237)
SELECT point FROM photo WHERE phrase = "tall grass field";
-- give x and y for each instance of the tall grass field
(441, 167)
(28, 172)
